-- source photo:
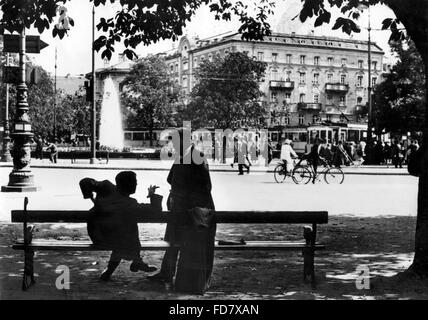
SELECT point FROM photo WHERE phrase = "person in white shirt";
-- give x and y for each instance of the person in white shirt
(287, 154)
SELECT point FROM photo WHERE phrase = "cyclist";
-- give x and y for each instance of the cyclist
(314, 156)
(287, 155)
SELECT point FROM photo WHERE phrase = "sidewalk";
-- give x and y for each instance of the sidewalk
(164, 165)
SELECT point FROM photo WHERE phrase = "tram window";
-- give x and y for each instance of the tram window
(138, 136)
(303, 136)
(274, 136)
(353, 135)
(128, 136)
(323, 134)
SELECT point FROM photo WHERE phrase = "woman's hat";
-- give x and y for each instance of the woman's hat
(287, 141)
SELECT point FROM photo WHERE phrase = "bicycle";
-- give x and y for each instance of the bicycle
(302, 174)
(281, 173)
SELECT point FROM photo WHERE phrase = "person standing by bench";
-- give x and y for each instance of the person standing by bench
(113, 220)
(192, 225)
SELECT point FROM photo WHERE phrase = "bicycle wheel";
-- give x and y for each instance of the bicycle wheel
(301, 175)
(334, 176)
(280, 173)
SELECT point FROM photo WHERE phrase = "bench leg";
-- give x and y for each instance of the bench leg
(308, 265)
(309, 255)
(28, 279)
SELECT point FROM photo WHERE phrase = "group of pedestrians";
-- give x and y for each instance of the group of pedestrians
(188, 262)
(396, 153)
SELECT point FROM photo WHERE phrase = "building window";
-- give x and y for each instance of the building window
(343, 62)
(302, 59)
(374, 65)
(316, 61)
(288, 76)
(176, 67)
(359, 100)
(287, 120)
(329, 99)
(329, 77)
(315, 118)
(260, 56)
(359, 81)
(274, 75)
(301, 118)
(316, 78)
(171, 67)
(226, 52)
(330, 61)
(274, 57)
(329, 118)
(316, 98)
(374, 79)
(184, 82)
(288, 98)
(273, 96)
(302, 98)
(195, 62)
(302, 77)
(360, 64)
(185, 66)
(210, 57)
(343, 78)
(288, 58)
(342, 101)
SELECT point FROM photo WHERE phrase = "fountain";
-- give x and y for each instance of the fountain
(111, 130)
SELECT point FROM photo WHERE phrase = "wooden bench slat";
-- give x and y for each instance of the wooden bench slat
(58, 245)
(248, 217)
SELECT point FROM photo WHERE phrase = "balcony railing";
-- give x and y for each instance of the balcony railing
(281, 84)
(336, 87)
(309, 106)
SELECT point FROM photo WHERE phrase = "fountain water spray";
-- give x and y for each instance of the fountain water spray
(111, 130)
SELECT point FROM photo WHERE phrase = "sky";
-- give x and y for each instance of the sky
(74, 50)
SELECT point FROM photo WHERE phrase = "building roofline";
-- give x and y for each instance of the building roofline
(223, 39)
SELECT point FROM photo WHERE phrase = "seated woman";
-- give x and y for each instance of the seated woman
(112, 222)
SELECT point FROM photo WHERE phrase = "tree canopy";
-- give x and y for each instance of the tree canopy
(399, 101)
(227, 94)
(149, 96)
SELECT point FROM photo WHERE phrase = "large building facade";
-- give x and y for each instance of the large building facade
(309, 79)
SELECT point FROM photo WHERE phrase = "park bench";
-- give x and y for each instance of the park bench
(308, 245)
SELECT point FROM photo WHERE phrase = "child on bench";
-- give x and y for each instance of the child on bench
(113, 219)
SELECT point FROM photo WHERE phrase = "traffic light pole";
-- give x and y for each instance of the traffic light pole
(93, 159)
(21, 179)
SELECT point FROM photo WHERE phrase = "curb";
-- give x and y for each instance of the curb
(211, 169)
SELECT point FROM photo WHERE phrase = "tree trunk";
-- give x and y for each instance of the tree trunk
(415, 19)
(151, 135)
(420, 260)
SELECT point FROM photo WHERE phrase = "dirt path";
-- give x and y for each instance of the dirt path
(385, 245)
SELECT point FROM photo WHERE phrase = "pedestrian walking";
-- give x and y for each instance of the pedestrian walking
(53, 152)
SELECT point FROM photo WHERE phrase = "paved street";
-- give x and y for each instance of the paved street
(361, 195)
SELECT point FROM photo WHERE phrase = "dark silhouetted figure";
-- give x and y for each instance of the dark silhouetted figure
(192, 225)
(112, 222)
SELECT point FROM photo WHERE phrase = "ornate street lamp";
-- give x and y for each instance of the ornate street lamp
(6, 157)
(21, 179)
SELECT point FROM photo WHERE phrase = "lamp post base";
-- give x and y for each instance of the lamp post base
(20, 181)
